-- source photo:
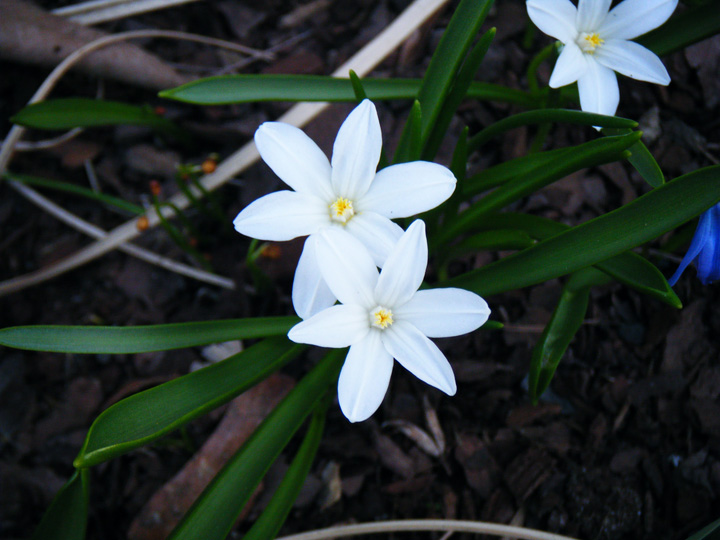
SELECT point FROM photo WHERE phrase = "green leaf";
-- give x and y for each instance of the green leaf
(76, 190)
(495, 240)
(137, 339)
(457, 93)
(447, 59)
(641, 159)
(148, 415)
(589, 154)
(276, 512)
(66, 519)
(710, 532)
(547, 115)
(215, 511)
(559, 332)
(68, 113)
(357, 86)
(684, 29)
(628, 268)
(640, 221)
(232, 89)
(408, 148)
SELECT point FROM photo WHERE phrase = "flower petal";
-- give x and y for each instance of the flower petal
(598, 89)
(282, 215)
(295, 158)
(310, 293)
(377, 233)
(591, 13)
(356, 151)
(570, 65)
(444, 312)
(556, 18)
(419, 356)
(404, 269)
(335, 327)
(407, 189)
(632, 60)
(705, 230)
(364, 378)
(633, 18)
(347, 267)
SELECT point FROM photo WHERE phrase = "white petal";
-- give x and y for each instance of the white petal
(556, 18)
(335, 327)
(632, 60)
(407, 189)
(591, 13)
(310, 293)
(419, 356)
(364, 378)
(570, 65)
(444, 312)
(598, 89)
(404, 269)
(377, 233)
(356, 152)
(295, 158)
(633, 18)
(347, 267)
(282, 215)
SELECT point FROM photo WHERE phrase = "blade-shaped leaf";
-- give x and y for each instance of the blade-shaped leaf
(641, 159)
(231, 89)
(277, 510)
(640, 221)
(66, 519)
(560, 330)
(593, 153)
(628, 268)
(145, 416)
(137, 339)
(68, 113)
(215, 511)
(707, 533)
(547, 115)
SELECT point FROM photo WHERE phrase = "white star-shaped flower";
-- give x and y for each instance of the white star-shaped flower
(596, 45)
(384, 316)
(347, 194)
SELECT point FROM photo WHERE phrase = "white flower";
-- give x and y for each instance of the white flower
(384, 316)
(596, 45)
(346, 194)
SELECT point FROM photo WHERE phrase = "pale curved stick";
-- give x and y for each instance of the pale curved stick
(477, 527)
(362, 62)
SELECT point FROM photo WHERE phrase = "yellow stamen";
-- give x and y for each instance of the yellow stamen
(589, 42)
(341, 210)
(381, 317)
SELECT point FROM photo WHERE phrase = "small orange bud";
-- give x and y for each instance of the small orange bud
(155, 188)
(208, 166)
(142, 223)
(271, 251)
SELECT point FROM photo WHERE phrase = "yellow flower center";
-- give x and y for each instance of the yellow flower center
(341, 210)
(589, 42)
(381, 317)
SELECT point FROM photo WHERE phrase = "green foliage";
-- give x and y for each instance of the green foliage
(66, 519)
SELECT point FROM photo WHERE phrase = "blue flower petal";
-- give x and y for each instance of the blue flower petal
(705, 247)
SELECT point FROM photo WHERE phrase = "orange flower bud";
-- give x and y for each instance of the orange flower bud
(142, 223)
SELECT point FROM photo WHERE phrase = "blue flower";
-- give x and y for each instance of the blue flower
(704, 248)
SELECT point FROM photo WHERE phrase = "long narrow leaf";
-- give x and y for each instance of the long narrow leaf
(215, 511)
(593, 153)
(276, 512)
(641, 159)
(547, 115)
(150, 414)
(76, 190)
(66, 519)
(628, 268)
(560, 330)
(232, 89)
(137, 339)
(638, 222)
(707, 533)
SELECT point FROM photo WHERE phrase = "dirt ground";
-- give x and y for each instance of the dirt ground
(624, 445)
